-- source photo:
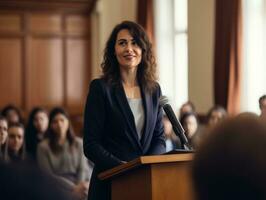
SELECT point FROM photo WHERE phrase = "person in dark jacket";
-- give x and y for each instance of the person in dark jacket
(123, 119)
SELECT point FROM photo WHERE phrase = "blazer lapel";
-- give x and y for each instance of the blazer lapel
(125, 108)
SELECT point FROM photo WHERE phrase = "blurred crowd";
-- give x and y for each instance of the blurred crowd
(198, 126)
(47, 141)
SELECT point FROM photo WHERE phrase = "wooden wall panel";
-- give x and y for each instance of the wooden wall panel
(77, 24)
(10, 23)
(45, 23)
(45, 57)
(11, 85)
(78, 73)
(45, 75)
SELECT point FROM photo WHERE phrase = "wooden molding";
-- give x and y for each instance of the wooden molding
(67, 6)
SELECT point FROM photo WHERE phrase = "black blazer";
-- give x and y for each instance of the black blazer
(110, 135)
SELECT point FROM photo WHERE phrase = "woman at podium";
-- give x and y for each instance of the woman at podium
(123, 119)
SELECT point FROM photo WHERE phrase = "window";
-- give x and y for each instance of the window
(254, 65)
(172, 49)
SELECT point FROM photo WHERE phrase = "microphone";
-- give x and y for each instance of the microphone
(177, 127)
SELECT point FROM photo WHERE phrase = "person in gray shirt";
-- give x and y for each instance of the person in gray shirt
(61, 154)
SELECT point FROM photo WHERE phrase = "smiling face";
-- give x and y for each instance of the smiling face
(127, 51)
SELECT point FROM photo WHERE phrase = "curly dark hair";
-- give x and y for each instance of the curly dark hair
(146, 73)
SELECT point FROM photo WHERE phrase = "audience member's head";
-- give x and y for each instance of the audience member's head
(172, 141)
(38, 120)
(262, 103)
(36, 129)
(215, 115)
(3, 130)
(59, 128)
(189, 121)
(12, 114)
(16, 146)
(230, 163)
(3, 137)
(186, 108)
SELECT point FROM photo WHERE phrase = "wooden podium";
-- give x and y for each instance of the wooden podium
(162, 177)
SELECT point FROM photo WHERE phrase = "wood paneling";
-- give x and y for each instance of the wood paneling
(45, 55)
(10, 23)
(70, 6)
(77, 25)
(10, 71)
(45, 23)
(45, 73)
(77, 73)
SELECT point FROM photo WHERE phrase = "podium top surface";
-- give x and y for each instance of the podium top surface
(144, 160)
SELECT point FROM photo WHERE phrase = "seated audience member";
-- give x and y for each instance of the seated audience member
(230, 164)
(26, 182)
(36, 129)
(215, 115)
(61, 154)
(171, 140)
(12, 114)
(262, 103)
(16, 146)
(3, 138)
(186, 107)
(189, 121)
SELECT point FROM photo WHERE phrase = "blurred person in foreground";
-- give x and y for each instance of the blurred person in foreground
(230, 163)
(27, 182)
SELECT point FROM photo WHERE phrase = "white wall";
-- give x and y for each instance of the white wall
(201, 20)
(107, 14)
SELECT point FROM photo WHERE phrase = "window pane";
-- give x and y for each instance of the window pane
(180, 15)
(254, 68)
(181, 67)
